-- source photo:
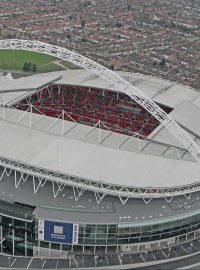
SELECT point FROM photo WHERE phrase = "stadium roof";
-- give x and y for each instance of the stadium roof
(159, 90)
(12, 89)
(87, 210)
(70, 154)
(116, 160)
(187, 115)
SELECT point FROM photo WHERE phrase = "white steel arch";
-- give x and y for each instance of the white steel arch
(113, 78)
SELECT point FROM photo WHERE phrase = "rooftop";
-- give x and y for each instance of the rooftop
(87, 210)
(93, 153)
(159, 90)
(79, 153)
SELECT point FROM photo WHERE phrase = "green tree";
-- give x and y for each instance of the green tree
(29, 66)
(162, 63)
(25, 67)
(34, 69)
(112, 67)
(119, 24)
(84, 39)
(83, 24)
(129, 7)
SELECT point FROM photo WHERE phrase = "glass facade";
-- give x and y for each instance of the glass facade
(97, 234)
(137, 232)
(21, 236)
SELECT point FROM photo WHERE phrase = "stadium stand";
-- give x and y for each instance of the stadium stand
(89, 105)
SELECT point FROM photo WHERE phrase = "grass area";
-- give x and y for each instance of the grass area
(68, 65)
(14, 61)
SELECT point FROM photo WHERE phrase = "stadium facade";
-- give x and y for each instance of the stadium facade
(96, 162)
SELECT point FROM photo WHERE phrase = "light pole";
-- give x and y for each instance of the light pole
(145, 257)
(191, 245)
(169, 252)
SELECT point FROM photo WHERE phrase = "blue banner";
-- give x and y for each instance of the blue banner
(58, 232)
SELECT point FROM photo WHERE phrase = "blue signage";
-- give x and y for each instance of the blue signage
(58, 232)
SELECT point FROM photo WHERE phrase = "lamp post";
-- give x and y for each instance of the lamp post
(169, 252)
(191, 245)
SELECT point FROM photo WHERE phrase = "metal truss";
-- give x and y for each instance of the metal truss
(111, 77)
(99, 125)
(25, 172)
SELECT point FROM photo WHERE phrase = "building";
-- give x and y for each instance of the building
(87, 170)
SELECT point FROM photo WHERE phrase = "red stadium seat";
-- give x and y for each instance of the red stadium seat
(89, 105)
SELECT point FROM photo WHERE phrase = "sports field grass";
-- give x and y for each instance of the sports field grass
(14, 61)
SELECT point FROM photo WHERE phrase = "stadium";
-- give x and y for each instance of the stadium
(98, 169)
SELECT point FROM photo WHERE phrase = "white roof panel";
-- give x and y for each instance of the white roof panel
(188, 115)
(29, 82)
(134, 144)
(93, 161)
(176, 95)
(196, 101)
(12, 90)
(10, 97)
(45, 123)
(78, 131)
(155, 149)
(61, 127)
(115, 140)
(161, 91)
(97, 135)
(162, 135)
